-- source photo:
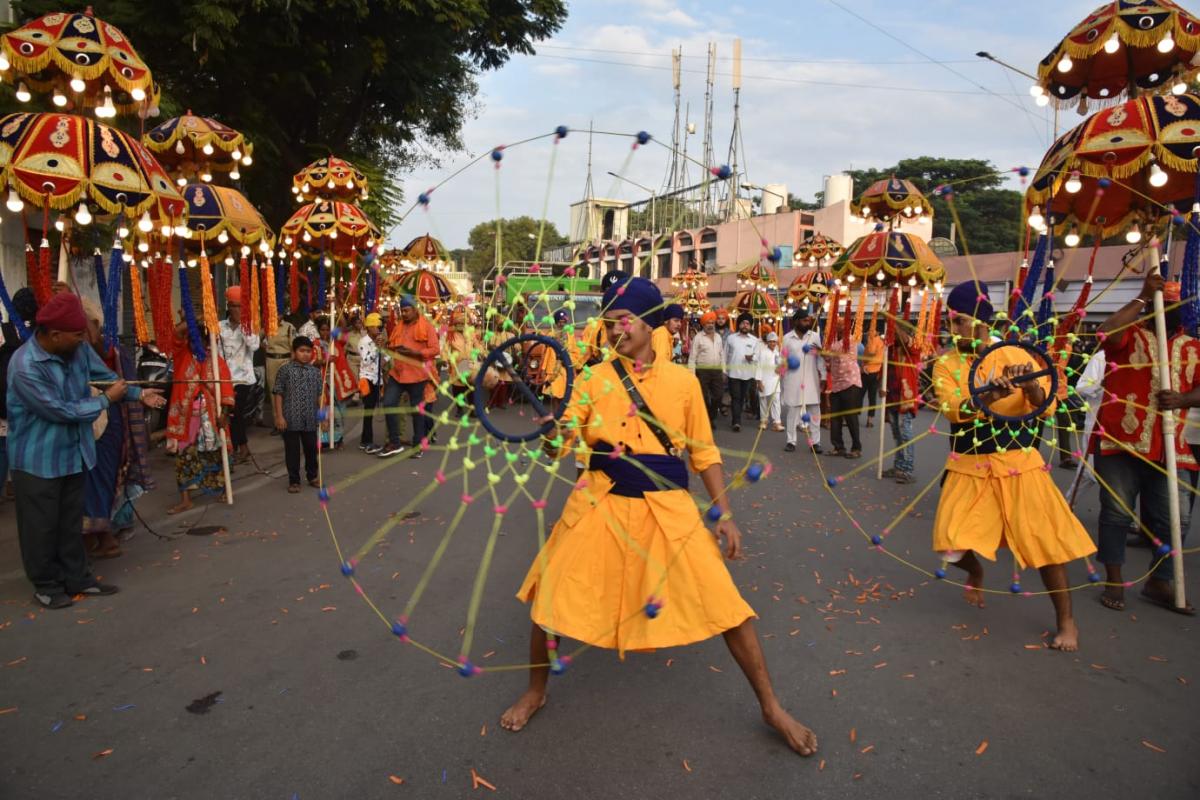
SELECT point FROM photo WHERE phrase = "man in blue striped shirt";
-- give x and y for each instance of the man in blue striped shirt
(51, 446)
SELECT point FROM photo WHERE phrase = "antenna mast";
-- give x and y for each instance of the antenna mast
(733, 211)
(706, 205)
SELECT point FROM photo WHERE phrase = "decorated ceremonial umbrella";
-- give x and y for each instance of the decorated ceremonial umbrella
(690, 279)
(892, 200)
(335, 228)
(757, 302)
(191, 146)
(218, 215)
(330, 178)
(890, 257)
(1120, 50)
(809, 288)
(83, 61)
(757, 275)
(817, 250)
(429, 288)
(1122, 168)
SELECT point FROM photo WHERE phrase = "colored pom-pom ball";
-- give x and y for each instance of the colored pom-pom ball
(559, 665)
(806, 418)
(643, 137)
(1014, 587)
(652, 608)
(467, 669)
(400, 629)
(498, 154)
(793, 363)
(805, 349)
(754, 472)
(947, 191)
(722, 172)
(1178, 220)
(862, 348)
(832, 482)
(423, 199)
(939, 573)
(1023, 172)
(323, 495)
(714, 513)
(561, 131)
(347, 568)
(1163, 550)
(1093, 577)
(776, 255)
(322, 414)
(878, 226)
(877, 540)
(1104, 183)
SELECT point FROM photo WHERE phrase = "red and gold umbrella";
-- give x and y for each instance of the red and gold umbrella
(192, 146)
(1121, 167)
(219, 215)
(757, 275)
(690, 279)
(758, 303)
(338, 229)
(889, 257)
(330, 178)
(60, 160)
(810, 287)
(891, 200)
(83, 61)
(1120, 50)
(431, 289)
(817, 250)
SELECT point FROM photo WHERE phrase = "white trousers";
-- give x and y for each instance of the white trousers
(768, 406)
(812, 427)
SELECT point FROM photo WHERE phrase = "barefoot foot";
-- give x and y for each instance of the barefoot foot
(1067, 639)
(520, 712)
(179, 508)
(974, 592)
(799, 738)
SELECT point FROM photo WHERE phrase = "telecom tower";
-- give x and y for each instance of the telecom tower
(733, 206)
(707, 194)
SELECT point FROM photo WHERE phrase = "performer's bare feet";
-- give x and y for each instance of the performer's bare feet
(180, 507)
(799, 737)
(519, 713)
(1067, 639)
(969, 563)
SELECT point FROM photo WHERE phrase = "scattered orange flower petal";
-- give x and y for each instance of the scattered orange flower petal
(867, 749)
(478, 780)
(714, 669)
(1153, 746)
(81, 717)
(982, 748)
(7, 710)
(686, 765)
(853, 735)
(821, 766)
(103, 753)
(395, 779)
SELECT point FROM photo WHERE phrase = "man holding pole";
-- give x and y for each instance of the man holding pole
(801, 394)
(1144, 387)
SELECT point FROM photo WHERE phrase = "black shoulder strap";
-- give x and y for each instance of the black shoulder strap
(648, 415)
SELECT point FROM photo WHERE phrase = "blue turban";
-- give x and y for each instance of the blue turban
(673, 311)
(610, 278)
(971, 298)
(407, 301)
(637, 295)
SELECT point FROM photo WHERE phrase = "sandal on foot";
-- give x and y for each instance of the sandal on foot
(294, 488)
(1112, 602)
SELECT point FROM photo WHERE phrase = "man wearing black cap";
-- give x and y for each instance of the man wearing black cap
(741, 350)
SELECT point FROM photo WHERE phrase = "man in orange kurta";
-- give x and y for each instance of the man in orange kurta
(630, 564)
(414, 346)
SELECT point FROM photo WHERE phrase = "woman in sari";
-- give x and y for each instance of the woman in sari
(195, 420)
(122, 473)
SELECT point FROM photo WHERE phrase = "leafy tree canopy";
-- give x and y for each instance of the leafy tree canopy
(518, 242)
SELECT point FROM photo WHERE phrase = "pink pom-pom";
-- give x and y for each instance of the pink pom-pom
(501, 279)
(933, 428)
(1078, 454)
(538, 504)
(424, 444)
(500, 510)
(466, 498)
(569, 272)
(620, 290)
(440, 476)
(581, 484)
(1101, 335)
(535, 269)
(981, 298)
(633, 410)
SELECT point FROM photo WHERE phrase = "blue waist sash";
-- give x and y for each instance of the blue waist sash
(634, 475)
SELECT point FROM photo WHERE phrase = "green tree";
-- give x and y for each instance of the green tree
(990, 216)
(518, 242)
(379, 82)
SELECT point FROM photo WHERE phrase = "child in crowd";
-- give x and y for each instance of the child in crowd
(296, 398)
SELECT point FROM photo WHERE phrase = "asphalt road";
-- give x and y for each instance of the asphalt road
(912, 693)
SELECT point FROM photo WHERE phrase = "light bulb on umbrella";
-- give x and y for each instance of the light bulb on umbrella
(1157, 176)
(83, 216)
(14, 202)
(145, 224)
(1073, 184)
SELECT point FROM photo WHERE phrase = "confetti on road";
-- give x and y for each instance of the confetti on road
(478, 780)
(714, 669)
(124, 707)
(982, 748)
(686, 765)
(102, 754)
(853, 735)
(396, 780)
(1153, 746)
(56, 727)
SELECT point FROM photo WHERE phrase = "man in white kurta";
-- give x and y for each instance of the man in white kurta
(768, 361)
(801, 395)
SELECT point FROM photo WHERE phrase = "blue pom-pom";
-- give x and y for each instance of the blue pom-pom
(1023, 172)
(939, 573)
(1014, 587)
(323, 495)
(466, 668)
(878, 226)
(652, 608)
(947, 191)
(643, 137)
(754, 472)
(832, 482)
(423, 199)
(497, 154)
(862, 348)
(336, 333)
(1104, 183)
(723, 172)
(793, 363)
(400, 629)
(561, 131)
(1178, 220)
(558, 666)
(776, 255)
(804, 349)
(806, 417)
(347, 568)
(322, 414)
(877, 540)
(1093, 577)
(714, 513)
(1163, 550)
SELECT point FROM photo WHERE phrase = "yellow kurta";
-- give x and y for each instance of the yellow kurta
(1001, 499)
(662, 343)
(608, 555)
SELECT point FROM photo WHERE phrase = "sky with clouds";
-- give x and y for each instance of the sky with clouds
(827, 85)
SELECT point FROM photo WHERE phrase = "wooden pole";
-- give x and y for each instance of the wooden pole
(213, 358)
(882, 408)
(1168, 430)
